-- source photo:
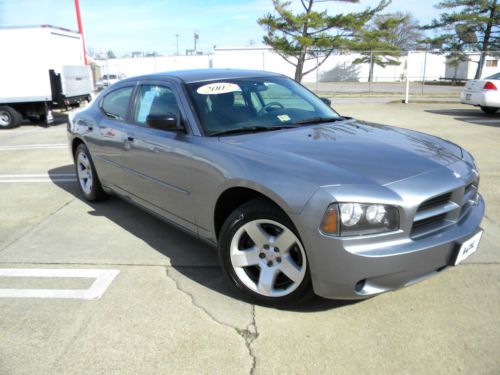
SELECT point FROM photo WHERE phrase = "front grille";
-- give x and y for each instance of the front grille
(434, 202)
(428, 221)
(439, 212)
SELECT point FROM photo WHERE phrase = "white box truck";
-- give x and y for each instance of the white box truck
(41, 68)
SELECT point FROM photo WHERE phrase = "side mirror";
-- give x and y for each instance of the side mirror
(166, 121)
(327, 101)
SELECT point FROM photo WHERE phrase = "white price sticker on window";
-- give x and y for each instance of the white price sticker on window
(218, 88)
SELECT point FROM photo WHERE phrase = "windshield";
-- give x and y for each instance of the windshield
(255, 104)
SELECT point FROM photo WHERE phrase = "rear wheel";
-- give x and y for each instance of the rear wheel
(263, 257)
(9, 117)
(87, 177)
(489, 110)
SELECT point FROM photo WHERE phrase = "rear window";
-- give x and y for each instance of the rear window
(494, 76)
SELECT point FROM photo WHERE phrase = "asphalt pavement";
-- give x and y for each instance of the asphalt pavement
(108, 289)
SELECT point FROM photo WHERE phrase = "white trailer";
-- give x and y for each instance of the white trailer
(41, 68)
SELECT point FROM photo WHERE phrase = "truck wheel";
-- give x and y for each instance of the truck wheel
(489, 110)
(263, 256)
(87, 177)
(9, 117)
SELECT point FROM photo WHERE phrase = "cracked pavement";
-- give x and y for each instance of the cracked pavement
(171, 311)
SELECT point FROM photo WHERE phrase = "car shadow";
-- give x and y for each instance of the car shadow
(191, 257)
(471, 116)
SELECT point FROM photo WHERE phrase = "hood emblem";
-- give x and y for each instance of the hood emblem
(457, 175)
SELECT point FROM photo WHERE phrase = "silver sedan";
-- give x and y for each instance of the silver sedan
(297, 198)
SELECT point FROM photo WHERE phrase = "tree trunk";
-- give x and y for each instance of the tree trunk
(372, 65)
(486, 41)
(303, 51)
(300, 66)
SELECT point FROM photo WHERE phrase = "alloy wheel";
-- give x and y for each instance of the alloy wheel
(268, 258)
(84, 170)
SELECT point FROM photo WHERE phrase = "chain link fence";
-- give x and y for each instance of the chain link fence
(347, 73)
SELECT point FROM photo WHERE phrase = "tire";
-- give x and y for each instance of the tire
(489, 110)
(9, 117)
(88, 181)
(267, 274)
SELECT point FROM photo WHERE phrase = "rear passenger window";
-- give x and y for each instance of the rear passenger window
(115, 104)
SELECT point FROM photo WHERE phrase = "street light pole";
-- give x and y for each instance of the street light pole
(80, 29)
(177, 43)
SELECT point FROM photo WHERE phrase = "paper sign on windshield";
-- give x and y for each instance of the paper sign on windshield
(218, 88)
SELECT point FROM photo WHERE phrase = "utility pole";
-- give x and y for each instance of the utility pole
(80, 29)
(177, 43)
(196, 37)
(425, 66)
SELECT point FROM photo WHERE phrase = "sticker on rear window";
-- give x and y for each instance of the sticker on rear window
(283, 118)
(218, 88)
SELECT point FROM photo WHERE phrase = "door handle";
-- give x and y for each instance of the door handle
(130, 138)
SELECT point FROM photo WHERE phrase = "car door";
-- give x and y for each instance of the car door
(157, 163)
(105, 141)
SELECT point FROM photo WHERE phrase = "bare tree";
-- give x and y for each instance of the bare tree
(405, 34)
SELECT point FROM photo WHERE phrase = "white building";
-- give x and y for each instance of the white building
(339, 67)
(467, 69)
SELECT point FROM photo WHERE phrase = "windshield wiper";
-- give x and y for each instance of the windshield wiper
(250, 129)
(318, 120)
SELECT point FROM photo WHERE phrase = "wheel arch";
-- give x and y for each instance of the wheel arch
(234, 197)
(77, 141)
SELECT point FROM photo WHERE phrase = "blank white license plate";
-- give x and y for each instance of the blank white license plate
(468, 248)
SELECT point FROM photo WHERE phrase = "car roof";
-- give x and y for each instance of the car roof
(200, 75)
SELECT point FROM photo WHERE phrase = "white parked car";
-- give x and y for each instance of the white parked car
(108, 80)
(484, 93)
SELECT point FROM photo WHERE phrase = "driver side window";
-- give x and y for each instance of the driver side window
(155, 100)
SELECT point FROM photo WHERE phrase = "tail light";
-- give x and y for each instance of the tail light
(489, 86)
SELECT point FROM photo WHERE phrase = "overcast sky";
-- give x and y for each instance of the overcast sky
(150, 25)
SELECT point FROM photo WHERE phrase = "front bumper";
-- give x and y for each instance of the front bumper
(342, 268)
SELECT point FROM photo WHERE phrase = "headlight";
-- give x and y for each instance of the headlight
(356, 219)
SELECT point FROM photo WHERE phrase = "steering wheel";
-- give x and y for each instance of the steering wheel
(268, 106)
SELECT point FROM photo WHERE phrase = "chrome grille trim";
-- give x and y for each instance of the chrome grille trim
(444, 210)
(436, 210)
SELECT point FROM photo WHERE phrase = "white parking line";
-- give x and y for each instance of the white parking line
(103, 279)
(36, 130)
(50, 146)
(34, 178)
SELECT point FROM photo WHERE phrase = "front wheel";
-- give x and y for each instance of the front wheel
(87, 176)
(489, 110)
(263, 256)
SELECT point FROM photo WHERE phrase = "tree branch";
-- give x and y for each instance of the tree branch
(327, 55)
(285, 58)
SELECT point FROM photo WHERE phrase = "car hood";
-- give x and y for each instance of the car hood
(352, 151)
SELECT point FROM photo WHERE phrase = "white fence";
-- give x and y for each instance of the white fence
(416, 65)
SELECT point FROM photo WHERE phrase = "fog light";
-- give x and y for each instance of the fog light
(360, 285)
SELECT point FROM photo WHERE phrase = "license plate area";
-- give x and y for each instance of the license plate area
(466, 248)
